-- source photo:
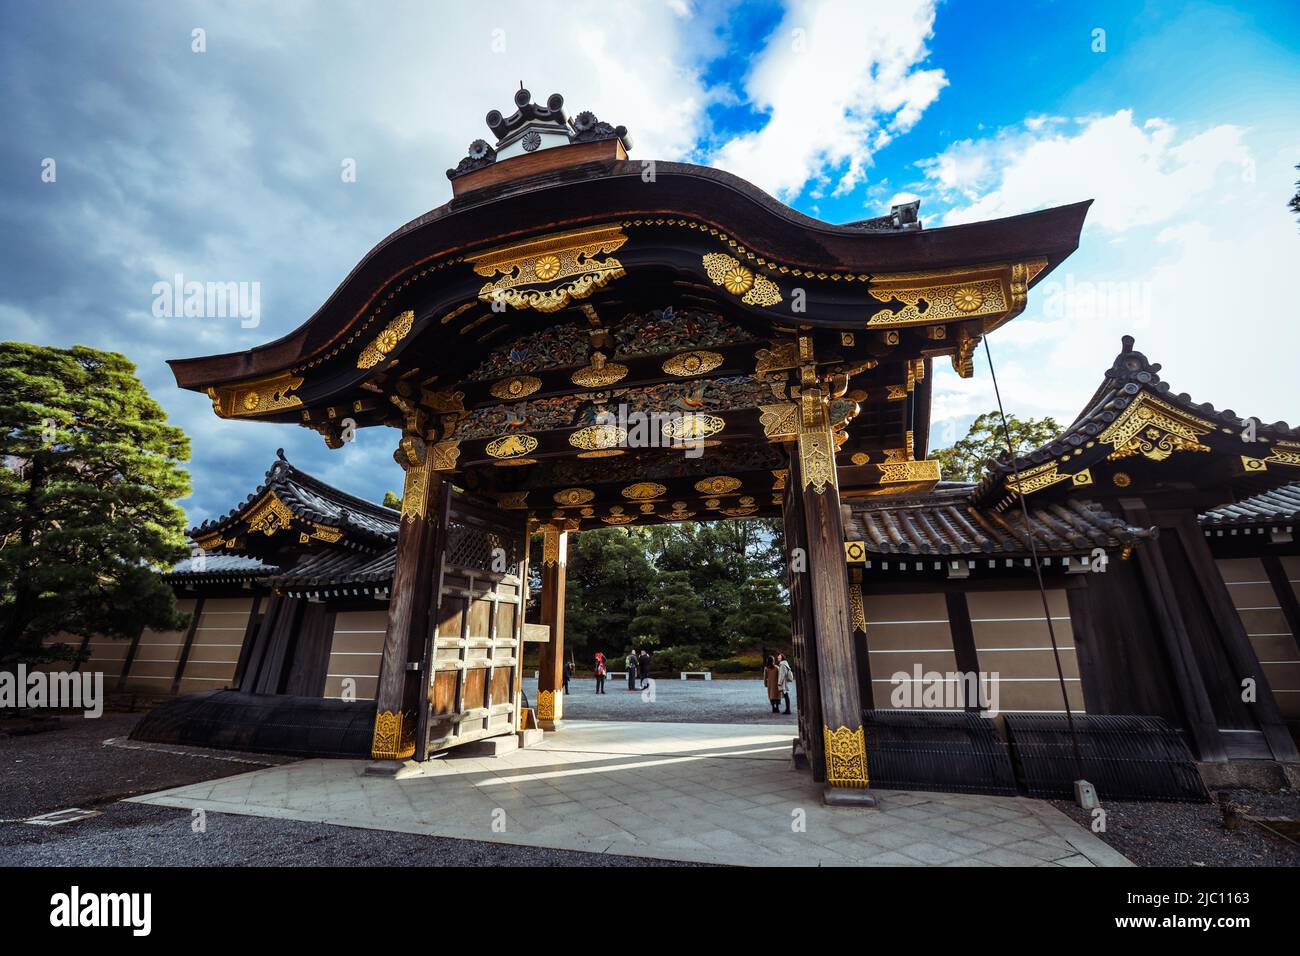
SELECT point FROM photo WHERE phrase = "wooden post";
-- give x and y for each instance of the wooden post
(828, 588)
(550, 673)
(858, 613)
(402, 688)
(188, 645)
(1232, 634)
(801, 626)
(246, 648)
(1286, 597)
(1198, 716)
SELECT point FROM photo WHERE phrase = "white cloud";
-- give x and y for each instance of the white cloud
(1139, 174)
(837, 80)
(1189, 247)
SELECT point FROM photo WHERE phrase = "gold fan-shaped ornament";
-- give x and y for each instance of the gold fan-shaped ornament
(693, 426)
(511, 446)
(519, 386)
(574, 496)
(644, 489)
(692, 363)
(600, 373)
(598, 437)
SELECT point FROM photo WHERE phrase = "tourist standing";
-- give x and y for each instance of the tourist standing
(600, 673)
(631, 663)
(770, 677)
(568, 672)
(784, 678)
(643, 667)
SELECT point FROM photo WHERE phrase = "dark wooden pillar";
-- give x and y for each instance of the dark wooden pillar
(1286, 599)
(858, 616)
(801, 626)
(129, 659)
(402, 688)
(1198, 715)
(1235, 641)
(828, 587)
(963, 646)
(188, 645)
(250, 635)
(550, 673)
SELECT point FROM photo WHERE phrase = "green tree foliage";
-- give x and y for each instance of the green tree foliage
(1294, 204)
(91, 472)
(393, 501)
(609, 576)
(711, 589)
(672, 613)
(968, 459)
(760, 618)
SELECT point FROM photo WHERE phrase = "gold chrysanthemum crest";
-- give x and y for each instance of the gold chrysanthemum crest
(386, 341)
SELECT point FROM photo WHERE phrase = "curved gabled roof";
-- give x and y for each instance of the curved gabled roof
(312, 501)
(1089, 439)
(613, 189)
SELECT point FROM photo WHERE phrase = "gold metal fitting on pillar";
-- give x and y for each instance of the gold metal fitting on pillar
(394, 737)
(550, 705)
(416, 458)
(816, 442)
(554, 542)
(846, 758)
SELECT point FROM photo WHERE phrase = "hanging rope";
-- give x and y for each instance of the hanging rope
(1038, 570)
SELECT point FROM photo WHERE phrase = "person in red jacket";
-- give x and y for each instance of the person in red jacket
(600, 673)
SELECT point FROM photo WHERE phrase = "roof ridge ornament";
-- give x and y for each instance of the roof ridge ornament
(532, 127)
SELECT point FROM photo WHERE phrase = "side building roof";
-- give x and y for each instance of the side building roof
(1135, 432)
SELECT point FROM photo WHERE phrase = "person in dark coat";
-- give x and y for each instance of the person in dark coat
(643, 667)
(568, 672)
(630, 662)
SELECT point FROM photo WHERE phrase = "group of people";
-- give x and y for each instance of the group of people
(638, 670)
(636, 662)
(778, 675)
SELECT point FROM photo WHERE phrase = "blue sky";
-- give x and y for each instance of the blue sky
(224, 165)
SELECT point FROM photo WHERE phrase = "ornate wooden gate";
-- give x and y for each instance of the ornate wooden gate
(473, 653)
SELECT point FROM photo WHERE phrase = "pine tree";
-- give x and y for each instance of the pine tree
(91, 472)
(986, 441)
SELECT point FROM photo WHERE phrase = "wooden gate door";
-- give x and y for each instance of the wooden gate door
(474, 651)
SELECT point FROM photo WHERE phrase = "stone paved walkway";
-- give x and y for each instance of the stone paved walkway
(711, 793)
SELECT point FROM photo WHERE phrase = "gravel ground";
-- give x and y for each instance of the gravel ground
(1193, 834)
(71, 767)
(674, 701)
(133, 834)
